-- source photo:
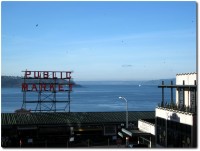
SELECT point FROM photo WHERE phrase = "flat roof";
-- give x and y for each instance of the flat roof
(134, 132)
(72, 118)
(139, 133)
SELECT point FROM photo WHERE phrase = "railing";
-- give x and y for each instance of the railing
(174, 106)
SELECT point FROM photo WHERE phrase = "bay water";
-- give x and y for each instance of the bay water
(96, 98)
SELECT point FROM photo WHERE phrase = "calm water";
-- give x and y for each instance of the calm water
(95, 98)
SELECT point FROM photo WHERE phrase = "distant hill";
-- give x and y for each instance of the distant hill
(148, 82)
(11, 81)
(159, 82)
(16, 81)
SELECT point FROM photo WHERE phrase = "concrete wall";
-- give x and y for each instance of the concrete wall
(146, 127)
(187, 77)
(175, 115)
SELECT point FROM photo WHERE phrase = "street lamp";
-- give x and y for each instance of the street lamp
(126, 110)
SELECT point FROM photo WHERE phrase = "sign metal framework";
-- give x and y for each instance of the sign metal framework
(47, 90)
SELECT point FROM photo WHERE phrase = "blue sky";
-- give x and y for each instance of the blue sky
(99, 40)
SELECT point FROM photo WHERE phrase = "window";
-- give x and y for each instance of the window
(181, 97)
(193, 99)
(110, 130)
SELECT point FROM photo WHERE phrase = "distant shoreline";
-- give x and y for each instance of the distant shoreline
(16, 81)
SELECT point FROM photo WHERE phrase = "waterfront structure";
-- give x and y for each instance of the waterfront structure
(66, 129)
(176, 121)
(142, 135)
(148, 126)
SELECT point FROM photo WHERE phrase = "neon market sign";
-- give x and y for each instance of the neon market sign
(47, 81)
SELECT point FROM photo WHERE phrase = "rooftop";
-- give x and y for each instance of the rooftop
(72, 118)
(186, 73)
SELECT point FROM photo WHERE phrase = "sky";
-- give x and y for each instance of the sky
(98, 41)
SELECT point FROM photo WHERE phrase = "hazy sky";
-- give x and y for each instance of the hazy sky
(100, 40)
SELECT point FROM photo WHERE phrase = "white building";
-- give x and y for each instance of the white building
(147, 126)
(176, 121)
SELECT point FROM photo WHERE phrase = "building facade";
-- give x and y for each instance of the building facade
(176, 121)
(140, 135)
(64, 129)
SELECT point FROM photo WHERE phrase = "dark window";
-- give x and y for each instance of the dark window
(193, 99)
(110, 130)
(181, 97)
(188, 129)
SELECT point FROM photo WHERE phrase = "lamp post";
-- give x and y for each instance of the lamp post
(126, 110)
(127, 138)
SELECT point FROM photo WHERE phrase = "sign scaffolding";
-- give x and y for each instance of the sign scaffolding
(46, 90)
